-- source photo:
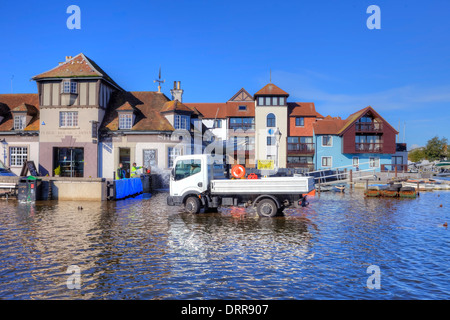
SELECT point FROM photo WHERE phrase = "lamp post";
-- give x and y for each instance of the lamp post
(278, 137)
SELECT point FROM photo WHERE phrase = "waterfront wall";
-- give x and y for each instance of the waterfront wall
(79, 189)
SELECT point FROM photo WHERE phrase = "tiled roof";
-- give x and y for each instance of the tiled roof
(271, 89)
(175, 105)
(147, 106)
(233, 109)
(125, 107)
(79, 66)
(328, 125)
(358, 114)
(19, 102)
(303, 109)
(25, 107)
(210, 110)
(353, 117)
(225, 109)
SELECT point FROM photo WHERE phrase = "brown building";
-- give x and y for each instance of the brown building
(19, 130)
(73, 99)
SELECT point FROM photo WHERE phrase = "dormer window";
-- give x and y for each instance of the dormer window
(182, 122)
(242, 108)
(125, 121)
(20, 122)
(70, 87)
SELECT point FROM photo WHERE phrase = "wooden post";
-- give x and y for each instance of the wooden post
(396, 171)
(367, 184)
(351, 175)
(417, 188)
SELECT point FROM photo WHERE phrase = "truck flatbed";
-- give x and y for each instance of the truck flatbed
(272, 185)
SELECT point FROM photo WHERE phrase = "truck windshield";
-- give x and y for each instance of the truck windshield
(187, 168)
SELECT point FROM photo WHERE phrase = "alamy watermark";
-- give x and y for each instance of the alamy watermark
(374, 280)
(374, 21)
(74, 20)
(74, 280)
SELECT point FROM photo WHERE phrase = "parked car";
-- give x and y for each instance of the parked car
(4, 171)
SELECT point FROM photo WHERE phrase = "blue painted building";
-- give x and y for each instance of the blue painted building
(363, 141)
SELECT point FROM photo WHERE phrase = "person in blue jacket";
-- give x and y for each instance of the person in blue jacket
(120, 173)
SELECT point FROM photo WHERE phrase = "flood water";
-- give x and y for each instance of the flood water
(142, 249)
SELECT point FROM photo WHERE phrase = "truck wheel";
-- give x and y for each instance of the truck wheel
(267, 208)
(192, 205)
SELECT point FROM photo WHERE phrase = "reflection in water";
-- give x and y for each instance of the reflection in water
(142, 249)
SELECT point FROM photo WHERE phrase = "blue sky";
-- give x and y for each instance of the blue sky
(318, 51)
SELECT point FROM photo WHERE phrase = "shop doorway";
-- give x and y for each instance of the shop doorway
(70, 161)
(124, 158)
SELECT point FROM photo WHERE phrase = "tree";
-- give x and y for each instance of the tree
(436, 148)
(416, 155)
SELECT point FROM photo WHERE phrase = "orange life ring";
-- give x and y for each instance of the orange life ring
(252, 176)
(238, 171)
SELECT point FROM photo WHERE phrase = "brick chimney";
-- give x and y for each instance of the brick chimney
(177, 92)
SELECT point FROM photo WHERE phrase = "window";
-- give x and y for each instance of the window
(68, 119)
(19, 122)
(271, 120)
(299, 122)
(69, 87)
(300, 144)
(242, 123)
(300, 160)
(218, 123)
(260, 101)
(326, 161)
(17, 156)
(282, 101)
(270, 141)
(250, 143)
(274, 101)
(172, 154)
(268, 101)
(66, 86)
(292, 139)
(242, 108)
(150, 158)
(365, 119)
(182, 122)
(374, 162)
(125, 121)
(187, 168)
(327, 141)
(397, 160)
(355, 161)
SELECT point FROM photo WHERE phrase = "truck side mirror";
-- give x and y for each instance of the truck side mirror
(172, 173)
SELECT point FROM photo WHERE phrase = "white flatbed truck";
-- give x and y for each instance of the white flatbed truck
(196, 182)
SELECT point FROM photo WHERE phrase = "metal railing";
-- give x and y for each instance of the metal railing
(369, 127)
(294, 147)
(369, 147)
(242, 126)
